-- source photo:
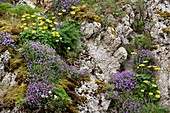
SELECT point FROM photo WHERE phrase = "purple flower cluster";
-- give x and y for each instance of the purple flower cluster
(124, 80)
(42, 61)
(64, 4)
(130, 106)
(6, 40)
(36, 92)
(140, 57)
(2, 1)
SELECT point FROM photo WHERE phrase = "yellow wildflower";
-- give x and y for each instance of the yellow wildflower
(23, 16)
(154, 66)
(21, 27)
(157, 91)
(53, 17)
(150, 93)
(32, 16)
(73, 7)
(45, 27)
(39, 18)
(145, 61)
(53, 33)
(59, 14)
(51, 25)
(28, 17)
(157, 96)
(145, 81)
(138, 67)
(23, 19)
(158, 69)
(154, 85)
(133, 53)
(56, 33)
(33, 31)
(33, 24)
(25, 28)
(40, 28)
(30, 26)
(53, 29)
(24, 24)
(73, 12)
(55, 22)
(40, 24)
(43, 31)
(141, 65)
(149, 66)
(142, 90)
(63, 10)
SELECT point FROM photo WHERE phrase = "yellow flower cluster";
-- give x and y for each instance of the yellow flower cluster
(38, 22)
(133, 53)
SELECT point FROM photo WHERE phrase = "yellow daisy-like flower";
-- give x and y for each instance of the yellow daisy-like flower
(145, 61)
(145, 81)
(40, 28)
(51, 25)
(138, 67)
(23, 16)
(59, 14)
(154, 66)
(28, 17)
(33, 31)
(157, 91)
(39, 18)
(33, 24)
(133, 53)
(43, 31)
(158, 69)
(149, 66)
(150, 93)
(22, 19)
(141, 65)
(142, 90)
(21, 27)
(55, 22)
(47, 20)
(32, 16)
(24, 24)
(53, 33)
(154, 85)
(40, 24)
(53, 29)
(157, 96)
(63, 10)
(45, 27)
(53, 17)
(73, 12)
(25, 28)
(56, 33)
(73, 7)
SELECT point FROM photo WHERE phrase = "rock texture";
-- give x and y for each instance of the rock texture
(103, 58)
(7, 79)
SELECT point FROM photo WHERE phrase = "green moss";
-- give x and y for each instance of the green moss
(166, 30)
(102, 87)
(16, 92)
(22, 75)
(16, 38)
(15, 63)
(163, 14)
(85, 13)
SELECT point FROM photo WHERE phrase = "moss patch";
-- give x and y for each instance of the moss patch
(163, 14)
(166, 30)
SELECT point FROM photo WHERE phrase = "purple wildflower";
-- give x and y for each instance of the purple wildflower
(6, 40)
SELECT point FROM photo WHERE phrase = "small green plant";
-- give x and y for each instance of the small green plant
(153, 108)
(70, 44)
(146, 89)
(22, 9)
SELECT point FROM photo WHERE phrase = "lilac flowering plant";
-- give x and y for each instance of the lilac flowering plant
(59, 5)
(143, 62)
(6, 40)
(37, 92)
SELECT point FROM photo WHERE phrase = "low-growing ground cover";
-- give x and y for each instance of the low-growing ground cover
(44, 44)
